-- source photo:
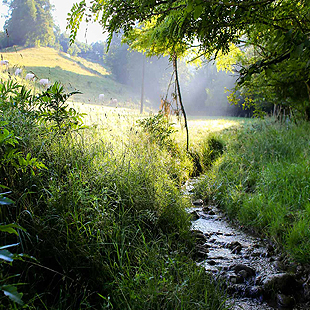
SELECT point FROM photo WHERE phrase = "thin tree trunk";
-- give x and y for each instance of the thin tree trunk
(308, 108)
(175, 68)
(142, 85)
(308, 88)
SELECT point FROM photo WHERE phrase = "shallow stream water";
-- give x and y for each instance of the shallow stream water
(251, 269)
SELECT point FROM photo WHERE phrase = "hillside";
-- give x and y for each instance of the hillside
(74, 73)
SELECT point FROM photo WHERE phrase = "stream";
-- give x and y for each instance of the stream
(254, 273)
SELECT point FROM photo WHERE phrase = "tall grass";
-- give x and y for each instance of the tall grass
(105, 222)
(262, 180)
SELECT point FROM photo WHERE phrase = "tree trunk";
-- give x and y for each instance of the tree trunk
(142, 85)
(175, 68)
(308, 107)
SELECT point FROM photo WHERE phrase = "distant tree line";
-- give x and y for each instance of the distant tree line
(274, 70)
(30, 24)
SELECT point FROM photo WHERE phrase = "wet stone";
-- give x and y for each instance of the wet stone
(198, 203)
(230, 255)
(200, 237)
(196, 231)
(253, 291)
(228, 234)
(257, 254)
(285, 301)
(300, 271)
(234, 244)
(250, 272)
(232, 279)
(283, 283)
(236, 289)
(237, 249)
(259, 280)
(206, 209)
(211, 262)
(195, 215)
(201, 252)
(243, 274)
(270, 250)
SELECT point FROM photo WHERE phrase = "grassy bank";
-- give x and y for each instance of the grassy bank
(92, 220)
(75, 73)
(262, 181)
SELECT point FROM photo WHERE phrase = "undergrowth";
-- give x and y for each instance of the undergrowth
(101, 222)
(262, 181)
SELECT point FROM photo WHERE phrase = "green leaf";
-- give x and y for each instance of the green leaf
(268, 72)
(6, 255)
(10, 228)
(189, 7)
(198, 11)
(8, 246)
(4, 201)
(11, 292)
(297, 51)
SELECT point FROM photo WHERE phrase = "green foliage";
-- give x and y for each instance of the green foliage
(106, 220)
(152, 39)
(159, 129)
(12, 156)
(54, 109)
(274, 32)
(30, 23)
(206, 153)
(261, 181)
(6, 257)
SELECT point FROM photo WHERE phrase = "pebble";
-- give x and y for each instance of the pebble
(211, 262)
(283, 283)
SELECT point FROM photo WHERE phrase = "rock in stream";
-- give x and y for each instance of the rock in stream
(254, 275)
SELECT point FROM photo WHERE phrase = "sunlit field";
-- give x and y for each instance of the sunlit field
(45, 56)
(117, 120)
(106, 193)
(74, 73)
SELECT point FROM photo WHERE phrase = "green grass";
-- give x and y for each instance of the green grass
(105, 221)
(262, 180)
(74, 73)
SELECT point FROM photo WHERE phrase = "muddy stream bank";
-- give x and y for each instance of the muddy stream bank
(253, 272)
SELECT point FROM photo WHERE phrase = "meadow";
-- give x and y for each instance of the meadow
(92, 217)
(92, 212)
(75, 73)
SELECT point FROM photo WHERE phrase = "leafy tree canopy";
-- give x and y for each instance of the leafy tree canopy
(210, 24)
(30, 23)
(277, 32)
